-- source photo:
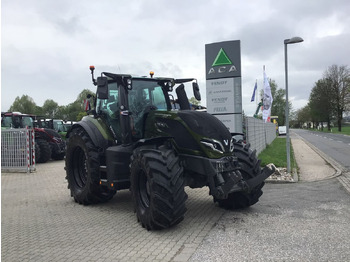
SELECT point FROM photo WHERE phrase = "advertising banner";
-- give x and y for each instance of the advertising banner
(224, 96)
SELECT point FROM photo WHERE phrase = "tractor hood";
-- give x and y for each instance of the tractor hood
(209, 128)
(194, 132)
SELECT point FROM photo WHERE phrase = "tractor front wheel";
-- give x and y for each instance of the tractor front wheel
(82, 168)
(249, 166)
(157, 186)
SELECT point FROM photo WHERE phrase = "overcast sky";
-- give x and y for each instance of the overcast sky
(48, 46)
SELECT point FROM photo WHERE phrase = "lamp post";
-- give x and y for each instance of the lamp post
(293, 40)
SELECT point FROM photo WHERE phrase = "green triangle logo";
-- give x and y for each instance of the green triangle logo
(222, 59)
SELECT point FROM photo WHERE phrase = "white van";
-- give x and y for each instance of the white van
(282, 130)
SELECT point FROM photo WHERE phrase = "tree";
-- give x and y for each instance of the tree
(50, 108)
(72, 111)
(338, 80)
(321, 103)
(194, 101)
(302, 116)
(25, 105)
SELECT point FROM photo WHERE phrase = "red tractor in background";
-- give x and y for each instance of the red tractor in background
(48, 143)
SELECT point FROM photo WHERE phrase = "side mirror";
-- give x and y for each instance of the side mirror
(102, 87)
(196, 92)
(182, 98)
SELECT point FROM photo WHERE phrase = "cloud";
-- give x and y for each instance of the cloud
(47, 46)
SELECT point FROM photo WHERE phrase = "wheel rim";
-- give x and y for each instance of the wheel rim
(144, 190)
(80, 168)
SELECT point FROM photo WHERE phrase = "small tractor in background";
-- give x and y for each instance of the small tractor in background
(48, 143)
(56, 124)
(134, 139)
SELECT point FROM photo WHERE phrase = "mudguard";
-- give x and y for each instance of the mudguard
(96, 130)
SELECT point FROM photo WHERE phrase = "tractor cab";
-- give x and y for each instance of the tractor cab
(16, 120)
(124, 101)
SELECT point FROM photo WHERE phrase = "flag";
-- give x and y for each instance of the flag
(87, 105)
(253, 96)
(267, 101)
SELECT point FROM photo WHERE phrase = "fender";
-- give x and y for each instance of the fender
(89, 125)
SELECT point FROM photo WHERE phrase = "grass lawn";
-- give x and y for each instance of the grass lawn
(276, 153)
(344, 130)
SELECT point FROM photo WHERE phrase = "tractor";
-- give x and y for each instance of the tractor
(48, 143)
(134, 139)
(56, 124)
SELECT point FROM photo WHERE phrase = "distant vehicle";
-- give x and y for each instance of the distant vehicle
(68, 124)
(55, 124)
(282, 130)
(48, 143)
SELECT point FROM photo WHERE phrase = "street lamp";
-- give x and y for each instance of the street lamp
(293, 40)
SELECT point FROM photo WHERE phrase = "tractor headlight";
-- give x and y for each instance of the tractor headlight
(169, 85)
(128, 84)
(213, 144)
(231, 144)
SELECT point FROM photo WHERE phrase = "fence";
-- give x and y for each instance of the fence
(17, 150)
(259, 134)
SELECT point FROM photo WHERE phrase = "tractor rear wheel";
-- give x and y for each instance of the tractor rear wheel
(37, 152)
(82, 168)
(45, 151)
(249, 166)
(157, 186)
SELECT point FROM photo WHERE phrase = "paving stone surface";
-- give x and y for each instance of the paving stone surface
(41, 222)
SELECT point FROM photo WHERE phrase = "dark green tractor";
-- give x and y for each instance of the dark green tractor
(134, 139)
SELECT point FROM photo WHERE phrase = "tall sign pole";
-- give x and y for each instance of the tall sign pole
(224, 83)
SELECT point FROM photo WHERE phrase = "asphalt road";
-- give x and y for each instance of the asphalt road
(292, 222)
(336, 146)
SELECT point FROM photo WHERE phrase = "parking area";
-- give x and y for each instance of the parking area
(41, 222)
(306, 221)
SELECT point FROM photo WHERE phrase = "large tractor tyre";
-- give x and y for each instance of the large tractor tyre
(37, 152)
(82, 168)
(157, 186)
(249, 166)
(45, 151)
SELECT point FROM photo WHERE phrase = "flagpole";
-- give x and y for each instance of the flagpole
(256, 94)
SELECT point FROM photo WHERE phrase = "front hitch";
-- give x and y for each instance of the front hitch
(266, 172)
(233, 185)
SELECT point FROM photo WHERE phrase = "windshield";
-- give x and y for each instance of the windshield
(59, 126)
(27, 121)
(145, 94)
(17, 121)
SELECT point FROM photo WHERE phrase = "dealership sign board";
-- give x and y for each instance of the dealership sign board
(224, 85)
(223, 59)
